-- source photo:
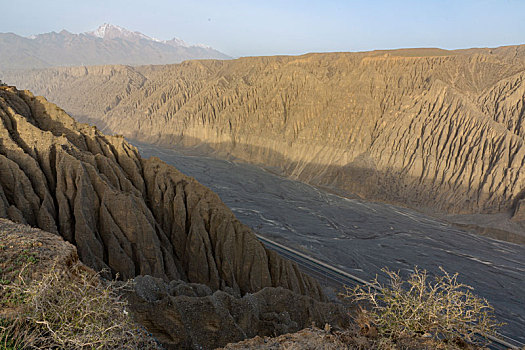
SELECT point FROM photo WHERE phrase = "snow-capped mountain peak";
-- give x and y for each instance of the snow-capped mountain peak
(111, 31)
(108, 44)
(177, 42)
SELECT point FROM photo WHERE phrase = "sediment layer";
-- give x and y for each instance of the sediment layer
(425, 127)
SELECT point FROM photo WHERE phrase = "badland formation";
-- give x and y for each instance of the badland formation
(206, 279)
(441, 131)
(427, 128)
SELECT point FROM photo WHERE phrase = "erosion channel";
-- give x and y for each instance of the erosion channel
(362, 237)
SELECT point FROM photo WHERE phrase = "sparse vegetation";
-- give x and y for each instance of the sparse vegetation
(443, 309)
(69, 309)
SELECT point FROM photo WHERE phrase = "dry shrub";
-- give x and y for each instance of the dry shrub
(73, 309)
(443, 309)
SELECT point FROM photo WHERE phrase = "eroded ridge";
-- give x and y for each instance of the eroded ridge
(423, 127)
(122, 212)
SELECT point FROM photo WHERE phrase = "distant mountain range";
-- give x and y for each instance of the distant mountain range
(109, 44)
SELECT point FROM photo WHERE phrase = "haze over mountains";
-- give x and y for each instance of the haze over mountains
(427, 128)
(109, 44)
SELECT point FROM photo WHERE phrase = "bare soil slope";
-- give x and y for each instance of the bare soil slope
(122, 212)
(427, 128)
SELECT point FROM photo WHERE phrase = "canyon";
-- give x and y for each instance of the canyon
(377, 134)
(141, 218)
(437, 130)
(362, 237)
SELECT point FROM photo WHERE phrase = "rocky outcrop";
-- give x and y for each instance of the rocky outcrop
(184, 315)
(124, 213)
(426, 128)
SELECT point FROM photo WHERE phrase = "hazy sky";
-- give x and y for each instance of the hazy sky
(269, 27)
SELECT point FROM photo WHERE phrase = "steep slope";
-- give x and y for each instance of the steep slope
(179, 314)
(122, 212)
(428, 128)
(108, 44)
